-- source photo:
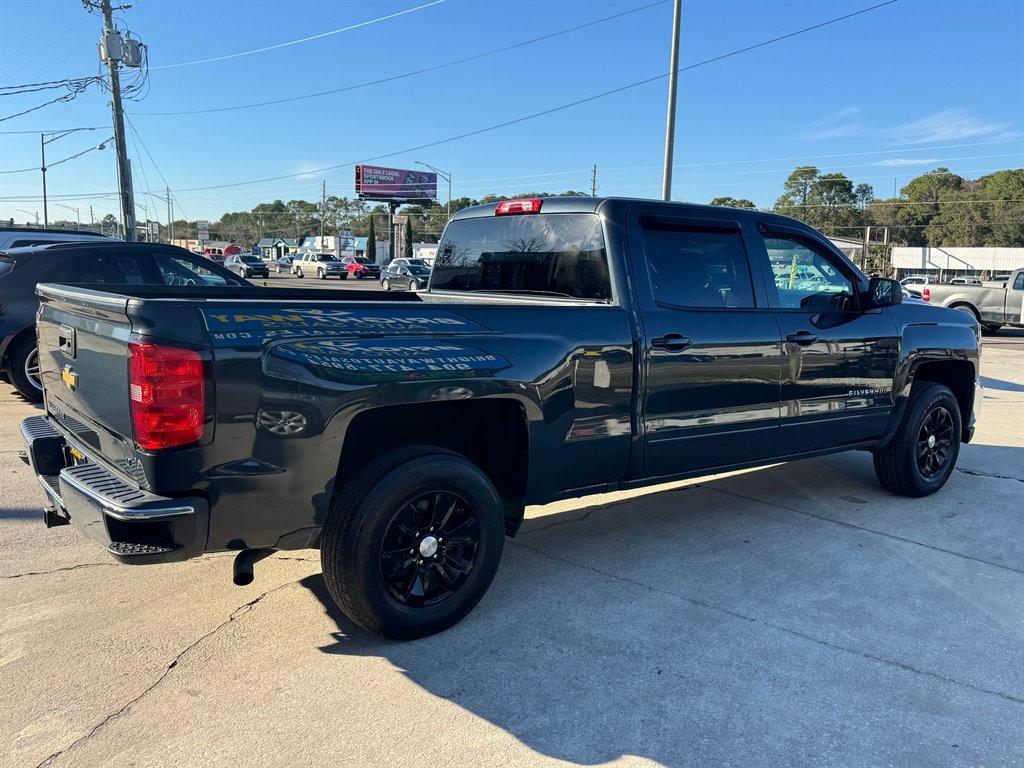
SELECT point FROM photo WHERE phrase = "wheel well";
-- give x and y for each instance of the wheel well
(968, 306)
(492, 433)
(15, 341)
(958, 375)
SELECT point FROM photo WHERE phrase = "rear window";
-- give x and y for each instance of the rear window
(560, 253)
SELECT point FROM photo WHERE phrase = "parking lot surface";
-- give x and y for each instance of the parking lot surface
(796, 615)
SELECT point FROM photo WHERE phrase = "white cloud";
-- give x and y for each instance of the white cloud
(897, 161)
(838, 125)
(945, 125)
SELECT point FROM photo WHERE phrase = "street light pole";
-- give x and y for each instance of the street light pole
(447, 177)
(78, 215)
(30, 213)
(670, 120)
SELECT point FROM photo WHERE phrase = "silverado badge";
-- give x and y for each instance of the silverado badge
(70, 377)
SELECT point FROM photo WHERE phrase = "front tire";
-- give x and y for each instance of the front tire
(298, 273)
(921, 456)
(23, 369)
(412, 542)
(320, 274)
(385, 284)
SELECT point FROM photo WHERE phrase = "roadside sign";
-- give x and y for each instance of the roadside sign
(203, 230)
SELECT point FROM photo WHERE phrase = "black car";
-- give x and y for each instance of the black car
(410, 278)
(108, 262)
(247, 265)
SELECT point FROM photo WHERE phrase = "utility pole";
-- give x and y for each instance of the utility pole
(593, 181)
(323, 210)
(864, 248)
(42, 167)
(112, 51)
(670, 120)
(92, 220)
(170, 221)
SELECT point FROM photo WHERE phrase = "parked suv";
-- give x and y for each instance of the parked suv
(102, 260)
(18, 237)
(360, 267)
(323, 265)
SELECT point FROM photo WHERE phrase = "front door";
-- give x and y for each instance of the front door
(712, 350)
(840, 361)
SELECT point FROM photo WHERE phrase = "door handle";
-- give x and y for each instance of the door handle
(672, 342)
(803, 338)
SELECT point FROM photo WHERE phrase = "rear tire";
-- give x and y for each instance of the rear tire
(385, 284)
(298, 273)
(913, 464)
(23, 368)
(404, 594)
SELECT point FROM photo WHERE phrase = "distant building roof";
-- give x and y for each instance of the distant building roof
(267, 242)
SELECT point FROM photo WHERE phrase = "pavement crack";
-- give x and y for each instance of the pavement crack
(901, 665)
(875, 531)
(57, 570)
(124, 709)
(978, 473)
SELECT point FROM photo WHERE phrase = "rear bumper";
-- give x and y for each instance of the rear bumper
(134, 526)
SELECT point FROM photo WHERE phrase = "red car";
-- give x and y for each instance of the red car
(360, 267)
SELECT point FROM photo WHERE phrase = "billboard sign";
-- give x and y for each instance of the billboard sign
(376, 183)
(202, 230)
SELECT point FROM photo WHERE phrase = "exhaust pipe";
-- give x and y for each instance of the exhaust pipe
(245, 560)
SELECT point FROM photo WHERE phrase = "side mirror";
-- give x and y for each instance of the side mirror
(882, 292)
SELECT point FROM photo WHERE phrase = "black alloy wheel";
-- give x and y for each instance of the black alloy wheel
(934, 442)
(430, 548)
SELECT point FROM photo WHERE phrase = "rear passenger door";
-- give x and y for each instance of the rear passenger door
(839, 360)
(712, 351)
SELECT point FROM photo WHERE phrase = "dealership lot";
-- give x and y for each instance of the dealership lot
(793, 615)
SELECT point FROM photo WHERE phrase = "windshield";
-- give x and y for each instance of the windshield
(363, 260)
(251, 259)
(325, 257)
(560, 254)
(418, 270)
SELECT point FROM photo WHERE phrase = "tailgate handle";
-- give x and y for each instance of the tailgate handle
(66, 341)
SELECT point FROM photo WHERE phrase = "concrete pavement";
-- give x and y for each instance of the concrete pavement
(797, 615)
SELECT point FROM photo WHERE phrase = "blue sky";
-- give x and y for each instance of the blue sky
(884, 95)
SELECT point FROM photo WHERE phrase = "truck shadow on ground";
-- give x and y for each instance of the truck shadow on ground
(1000, 385)
(702, 626)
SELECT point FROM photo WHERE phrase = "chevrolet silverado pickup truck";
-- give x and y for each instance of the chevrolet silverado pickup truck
(993, 304)
(564, 347)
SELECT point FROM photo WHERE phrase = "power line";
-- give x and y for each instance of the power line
(156, 167)
(303, 39)
(75, 88)
(412, 73)
(550, 110)
(54, 130)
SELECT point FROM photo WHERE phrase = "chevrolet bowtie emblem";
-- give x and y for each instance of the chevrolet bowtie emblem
(70, 377)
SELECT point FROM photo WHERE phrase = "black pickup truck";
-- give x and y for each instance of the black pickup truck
(566, 346)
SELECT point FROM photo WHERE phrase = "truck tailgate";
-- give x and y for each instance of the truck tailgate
(83, 359)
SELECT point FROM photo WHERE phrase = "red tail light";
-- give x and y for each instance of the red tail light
(167, 393)
(926, 294)
(509, 207)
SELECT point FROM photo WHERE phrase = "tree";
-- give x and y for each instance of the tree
(371, 243)
(827, 201)
(407, 250)
(733, 202)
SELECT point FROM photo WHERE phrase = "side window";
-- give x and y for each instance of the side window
(104, 268)
(180, 271)
(698, 267)
(806, 278)
(1018, 282)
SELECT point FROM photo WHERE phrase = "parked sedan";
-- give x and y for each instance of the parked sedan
(410, 278)
(283, 264)
(247, 265)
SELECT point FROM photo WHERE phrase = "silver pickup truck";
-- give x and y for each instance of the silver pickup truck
(993, 304)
